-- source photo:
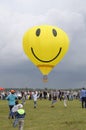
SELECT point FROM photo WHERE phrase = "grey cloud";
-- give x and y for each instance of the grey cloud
(15, 67)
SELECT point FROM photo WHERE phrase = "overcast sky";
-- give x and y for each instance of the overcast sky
(16, 17)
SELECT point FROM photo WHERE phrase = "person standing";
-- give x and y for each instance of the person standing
(83, 97)
(35, 97)
(11, 101)
(65, 99)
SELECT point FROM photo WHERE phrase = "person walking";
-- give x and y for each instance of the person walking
(12, 97)
(14, 109)
(65, 99)
(19, 117)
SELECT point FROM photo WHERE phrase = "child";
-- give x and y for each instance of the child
(14, 109)
(19, 117)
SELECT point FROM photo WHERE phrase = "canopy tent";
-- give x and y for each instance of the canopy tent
(1, 89)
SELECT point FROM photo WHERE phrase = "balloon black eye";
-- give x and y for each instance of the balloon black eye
(54, 32)
(38, 32)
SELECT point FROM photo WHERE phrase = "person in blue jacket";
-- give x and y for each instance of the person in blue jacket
(83, 97)
(12, 97)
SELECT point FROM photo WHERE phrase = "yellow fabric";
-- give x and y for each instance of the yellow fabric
(21, 111)
(45, 46)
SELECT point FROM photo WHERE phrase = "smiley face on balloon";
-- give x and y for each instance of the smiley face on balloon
(45, 46)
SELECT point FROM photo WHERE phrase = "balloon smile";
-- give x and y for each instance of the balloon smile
(46, 60)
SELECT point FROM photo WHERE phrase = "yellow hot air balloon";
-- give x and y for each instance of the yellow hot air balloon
(45, 46)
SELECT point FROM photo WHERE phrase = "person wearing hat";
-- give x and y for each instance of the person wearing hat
(19, 117)
(12, 97)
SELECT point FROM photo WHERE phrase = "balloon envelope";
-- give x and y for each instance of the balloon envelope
(45, 46)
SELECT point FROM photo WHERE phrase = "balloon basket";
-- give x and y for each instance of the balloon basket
(45, 78)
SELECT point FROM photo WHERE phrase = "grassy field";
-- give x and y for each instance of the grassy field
(46, 118)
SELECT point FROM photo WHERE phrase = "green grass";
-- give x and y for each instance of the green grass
(46, 118)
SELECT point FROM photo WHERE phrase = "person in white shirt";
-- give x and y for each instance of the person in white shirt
(65, 99)
(35, 97)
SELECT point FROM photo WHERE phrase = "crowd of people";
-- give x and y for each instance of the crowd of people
(16, 109)
(42, 94)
